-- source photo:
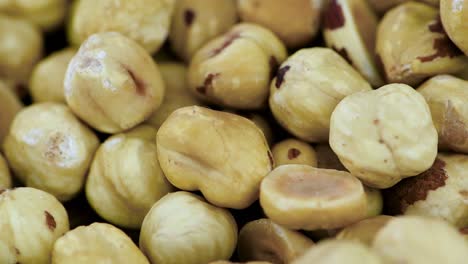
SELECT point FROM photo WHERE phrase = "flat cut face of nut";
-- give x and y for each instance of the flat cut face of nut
(453, 14)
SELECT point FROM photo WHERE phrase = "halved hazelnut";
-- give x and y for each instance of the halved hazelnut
(365, 230)
(294, 151)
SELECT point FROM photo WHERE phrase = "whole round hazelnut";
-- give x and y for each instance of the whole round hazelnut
(5, 176)
(365, 230)
(453, 14)
(10, 105)
(294, 151)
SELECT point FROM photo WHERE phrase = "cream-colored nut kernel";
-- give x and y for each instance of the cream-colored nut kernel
(327, 159)
(5, 176)
(412, 45)
(145, 21)
(339, 251)
(307, 88)
(46, 82)
(304, 197)
(374, 201)
(454, 14)
(112, 83)
(195, 22)
(30, 220)
(259, 120)
(414, 240)
(177, 93)
(350, 28)
(125, 179)
(373, 134)
(96, 243)
(294, 151)
(235, 69)
(264, 240)
(142, 132)
(365, 230)
(183, 228)
(223, 155)
(50, 149)
(10, 105)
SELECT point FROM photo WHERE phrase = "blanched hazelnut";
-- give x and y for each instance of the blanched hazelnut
(234, 70)
(46, 83)
(258, 120)
(146, 22)
(50, 149)
(183, 228)
(374, 201)
(304, 197)
(10, 105)
(223, 155)
(306, 89)
(454, 14)
(264, 240)
(31, 220)
(373, 134)
(412, 45)
(112, 83)
(327, 159)
(5, 177)
(96, 243)
(195, 22)
(365, 230)
(125, 179)
(294, 151)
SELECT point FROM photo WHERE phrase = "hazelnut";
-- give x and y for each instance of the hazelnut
(5, 177)
(195, 22)
(373, 134)
(112, 83)
(146, 22)
(374, 201)
(214, 77)
(412, 45)
(306, 89)
(454, 14)
(304, 197)
(381, 6)
(264, 240)
(96, 243)
(125, 178)
(294, 151)
(9, 107)
(259, 120)
(50, 149)
(327, 159)
(365, 230)
(223, 155)
(31, 221)
(183, 228)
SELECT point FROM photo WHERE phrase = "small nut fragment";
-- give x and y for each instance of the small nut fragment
(31, 220)
(5, 177)
(327, 159)
(264, 240)
(304, 197)
(365, 230)
(229, 174)
(112, 83)
(374, 201)
(454, 14)
(50, 149)
(306, 89)
(373, 134)
(294, 151)
(9, 107)
(183, 228)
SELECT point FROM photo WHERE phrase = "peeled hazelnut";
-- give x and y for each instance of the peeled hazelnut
(46, 83)
(50, 149)
(374, 201)
(9, 107)
(5, 177)
(304, 197)
(125, 179)
(255, 51)
(112, 83)
(258, 120)
(195, 22)
(229, 174)
(365, 230)
(412, 45)
(454, 14)
(183, 228)
(266, 241)
(31, 220)
(146, 22)
(96, 243)
(294, 151)
(326, 158)
(373, 134)
(306, 89)
(415, 240)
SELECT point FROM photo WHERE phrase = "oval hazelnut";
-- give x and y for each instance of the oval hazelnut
(294, 151)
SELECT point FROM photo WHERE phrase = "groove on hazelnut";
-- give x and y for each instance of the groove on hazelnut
(208, 83)
(50, 221)
(189, 17)
(139, 84)
(230, 38)
(280, 75)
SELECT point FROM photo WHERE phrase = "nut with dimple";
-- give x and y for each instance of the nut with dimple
(5, 177)
(9, 107)
(365, 230)
(294, 151)
(454, 14)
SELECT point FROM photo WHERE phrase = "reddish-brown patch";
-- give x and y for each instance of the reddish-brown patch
(376, 121)
(464, 230)
(50, 221)
(280, 75)
(229, 39)
(2, 191)
(344, 53)
(273, 66)
(333, 17)
(270, 157)
(208, 83)
(293, 153)
(189, 17)
(140, 86)
(437, 26)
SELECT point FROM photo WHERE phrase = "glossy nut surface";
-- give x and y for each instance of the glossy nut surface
(294, 151)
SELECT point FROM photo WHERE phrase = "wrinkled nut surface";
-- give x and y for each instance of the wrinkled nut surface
(374, 201)
(10, 105)
(412, 45)
(112, 83)
(31, 220)
(264, 240)
(373, 134)
(96, 243)
(454, 14)
(183, 228)
(256, 52)
(229, 174)
(125, 179)
(306, 89)
(50, 149)
(294, 151)
(326, 158)
(46, 82)
(145, 21)
(365, 230)
(281, 17)
(413, 240)
(304, 197)
(5, 176)
(195, 22)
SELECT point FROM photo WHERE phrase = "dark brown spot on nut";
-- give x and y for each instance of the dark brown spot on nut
(270, 157)
(273, 66)
(17, 251)
(344, 53)
(208, 83)
(464, 230)
(437, 26)
(189, 17)
(376, 121)
(230, 37)
(50, 221)
(2, 191)
(333, 17)
(139, 84)
(293, 153)
(280, 75)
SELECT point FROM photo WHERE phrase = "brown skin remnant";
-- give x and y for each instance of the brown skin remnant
(437, 26)
(228, 41)
(464, 193)
(2, 191)
(333, 17)
(293, 153)
(344, 53)
(189, 17)
(463, 230)
(50, 221)
(270, 156)
(139, 85)
(376, 121)
(273, 66)
(17, 251)
(280, 75)
(208, 84)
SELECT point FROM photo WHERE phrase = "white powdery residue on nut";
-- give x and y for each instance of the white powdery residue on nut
(101, 54)
(32, 137)
(457, 5)
(108, 85)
